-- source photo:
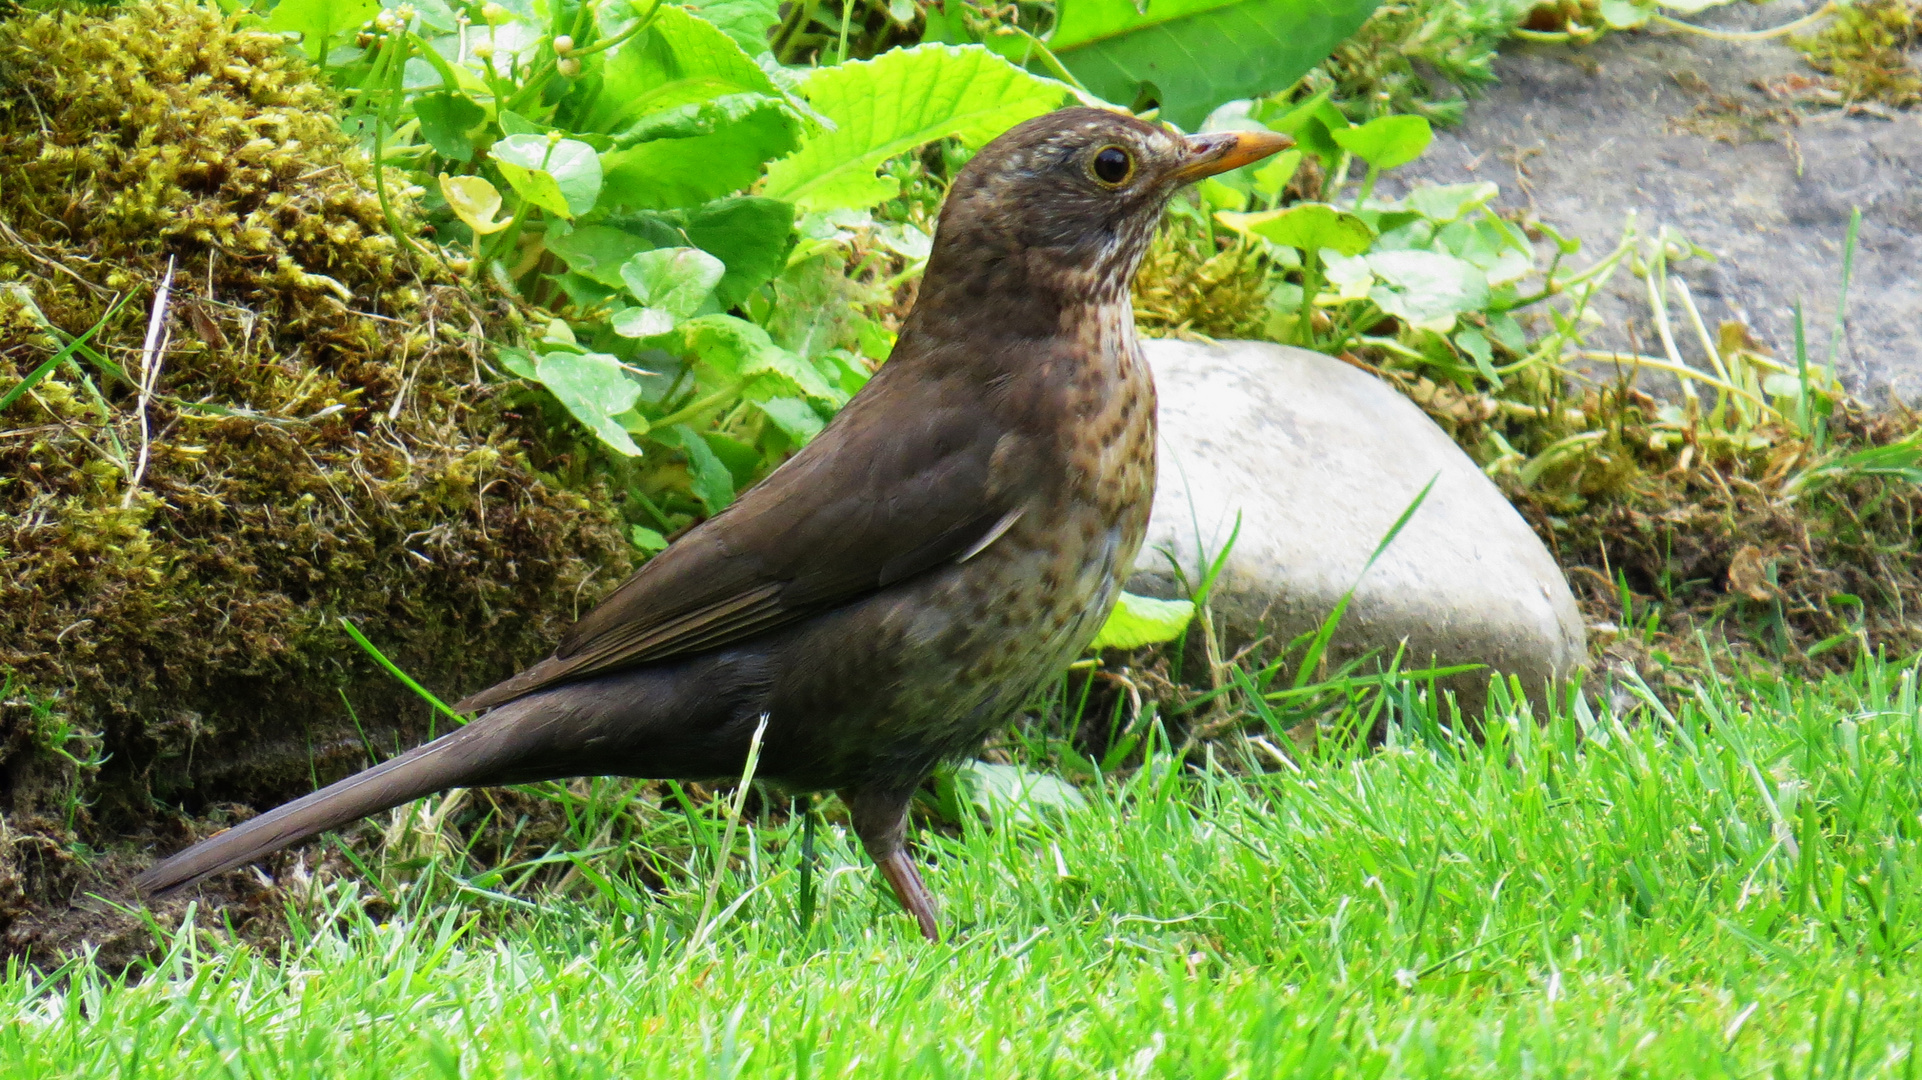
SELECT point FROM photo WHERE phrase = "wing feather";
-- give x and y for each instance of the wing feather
(872, 501)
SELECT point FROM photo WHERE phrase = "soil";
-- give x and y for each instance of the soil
(1732, 144)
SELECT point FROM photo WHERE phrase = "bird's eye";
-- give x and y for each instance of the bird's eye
(1112, 166)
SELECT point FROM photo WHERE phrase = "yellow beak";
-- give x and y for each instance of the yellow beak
(1220, 151)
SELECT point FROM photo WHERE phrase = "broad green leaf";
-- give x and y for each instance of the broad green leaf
(1350, 275)
(445, 120)
(594, 389)
(677, 280)
(474, 201)
(707, 476)
(1427, 288)
(642, 322)
(750, 234)
(679, 59)
(1444, 203)
(1007, 794)
(1387, 142)
(1476, 346)
(1273, 176)
(734, 349)
(895, 103)
(746, 21)
(1143, 620)
(671, 284)
(646, 539)
(670, 173)
(796, 418)
(518, 362)
(694, 118)
(1311, 122)
(561, 176)
(1307, 227)
(1621, 15)
(319, 21)
(1502, 256)
(1195, 54)
(597, 252)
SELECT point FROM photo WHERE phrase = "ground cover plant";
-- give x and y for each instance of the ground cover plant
(1721, 887)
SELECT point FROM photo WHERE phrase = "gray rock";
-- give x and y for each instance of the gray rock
(1319, 459)
(1674, 127)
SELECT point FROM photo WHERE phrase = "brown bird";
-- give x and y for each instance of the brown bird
(895, 591)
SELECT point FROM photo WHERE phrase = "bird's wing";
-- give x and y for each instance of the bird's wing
(909, 476)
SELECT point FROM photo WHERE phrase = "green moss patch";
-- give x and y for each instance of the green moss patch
(315, 441)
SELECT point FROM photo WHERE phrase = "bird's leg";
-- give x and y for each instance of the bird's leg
(881, 821)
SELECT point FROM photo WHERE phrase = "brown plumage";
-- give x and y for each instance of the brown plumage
(894, 592)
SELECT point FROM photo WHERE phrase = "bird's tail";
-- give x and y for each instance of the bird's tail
(464, 757)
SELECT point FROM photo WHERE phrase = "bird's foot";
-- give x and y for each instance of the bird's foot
(914, 896)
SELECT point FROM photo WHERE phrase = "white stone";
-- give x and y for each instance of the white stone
(1319, 459)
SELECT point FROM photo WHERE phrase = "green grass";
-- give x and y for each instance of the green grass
(1729, 889)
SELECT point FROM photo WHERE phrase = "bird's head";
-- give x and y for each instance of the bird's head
(1067, 203)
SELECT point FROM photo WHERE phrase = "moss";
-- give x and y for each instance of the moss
(1189, 285)
(1864, 51)
(319, 443)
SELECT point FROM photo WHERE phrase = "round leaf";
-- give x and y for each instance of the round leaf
(474, 201)
(594, 388)
(1143, 620)
(675, 280)
(1306, 227)
(1427, 288)
(560, 176)
(1387, 142)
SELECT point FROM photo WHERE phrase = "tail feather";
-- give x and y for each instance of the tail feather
(457, 759)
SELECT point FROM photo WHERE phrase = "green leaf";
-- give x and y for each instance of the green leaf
(646, 539)
(1007, 794)
(1427, 288)
(319, 21)
(1476, 346)
(1444, 203)
(1387, 142)
(678, 60)
(561, 176)
(751, 234)
(745, 21)
(1192, 55)
(670, 173)
(1307, 227)
(895, 103)
(694, 118)
(594, 389)
(796, 418)
(1273, 176)
(1143, 620)
(474, 201)
(1311, 122)
(597, 252)
(445, 120)
(735, 349)
(678, 280)
(1621, 15)
(671, 284)
(707, 476)
(518, 362)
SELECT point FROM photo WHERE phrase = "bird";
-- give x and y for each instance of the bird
(893, 592)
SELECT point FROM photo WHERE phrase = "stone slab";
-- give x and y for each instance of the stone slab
(1319, 459)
